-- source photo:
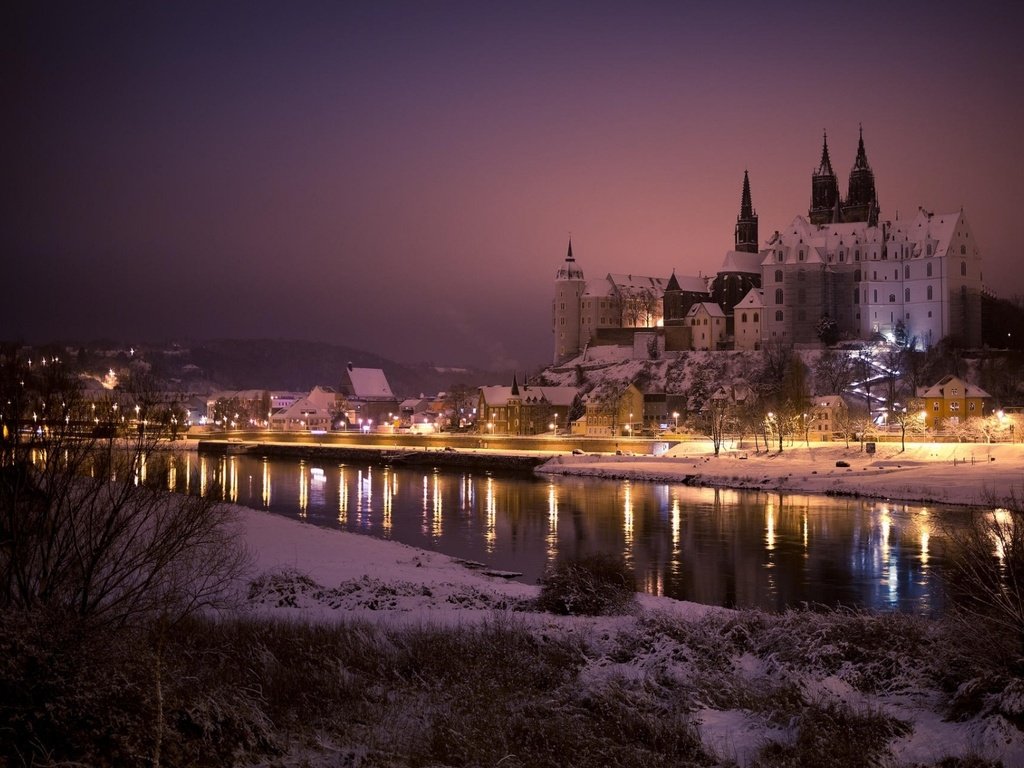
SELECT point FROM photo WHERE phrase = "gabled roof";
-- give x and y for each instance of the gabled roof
(556, 396)
(743, 262)
(939, 389)
(709, 307)
(367, 384)
(753, 299)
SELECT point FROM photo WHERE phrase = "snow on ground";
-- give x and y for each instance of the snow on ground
(311, 573)
(950, 473)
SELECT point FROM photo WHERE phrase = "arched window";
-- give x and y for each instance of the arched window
(778, 295)
(756, 319)
(906, 272)
(929, 269)
(963, 268)
(963, 250)
(892, 298)
(906, 294)
(780, 256)
(929, 292)
(778, 275)
(856, 255)
(743, 317)
(778, 315)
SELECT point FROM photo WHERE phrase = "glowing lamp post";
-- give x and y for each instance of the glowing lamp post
(675, 415)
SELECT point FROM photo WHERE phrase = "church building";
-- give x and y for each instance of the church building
(841, 266)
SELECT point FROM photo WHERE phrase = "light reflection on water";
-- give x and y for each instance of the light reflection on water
(714, 546)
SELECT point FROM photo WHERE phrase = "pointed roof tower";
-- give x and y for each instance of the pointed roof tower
(673, 284)
(861, 202)
(824, 189)
(746, 222)
(569, 269)
(515, 382)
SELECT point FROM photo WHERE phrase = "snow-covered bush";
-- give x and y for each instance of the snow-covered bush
(592, 585)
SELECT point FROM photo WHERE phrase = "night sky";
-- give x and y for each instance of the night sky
(403, 177)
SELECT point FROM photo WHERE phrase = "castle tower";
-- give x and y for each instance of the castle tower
(569, 286)
(861, 202)
(746, 222)
(824, 190)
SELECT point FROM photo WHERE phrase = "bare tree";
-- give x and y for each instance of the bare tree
(985, 576)
(81, 533)
(833, 372)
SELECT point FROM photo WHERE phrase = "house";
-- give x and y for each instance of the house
(707, 326)
(614, 409)
(367, 397)
(525, 410)
(950, 400)
(315, 411)
(828, 417)
(747, 320)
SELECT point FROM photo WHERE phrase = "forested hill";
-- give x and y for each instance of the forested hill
(260, 364)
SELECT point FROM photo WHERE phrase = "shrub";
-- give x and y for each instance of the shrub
(592, 585)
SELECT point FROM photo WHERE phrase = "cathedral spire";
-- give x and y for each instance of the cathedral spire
(568, 256)
(746, 207)
(515, 386)
(746, 222)
(824, 189)
(862, 156)
(861, 200)
(825, 169)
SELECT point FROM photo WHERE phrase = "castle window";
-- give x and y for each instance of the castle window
(856, 255)
(743, 317)
(875, 295)
(800, 255)
(755, 317)
(778, 275)
(892, 298)
(778, 315)
(856, 296)
(895, 274)
(929, 249)
(929, 267)
(929, 292)
(778, 295)
(963, 268)
(963, 250)
(906, 273)
(856, 276)
(906, 294)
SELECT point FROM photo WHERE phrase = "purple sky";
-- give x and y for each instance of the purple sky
(402, 177)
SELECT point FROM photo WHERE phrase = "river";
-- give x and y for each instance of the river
(712, 546)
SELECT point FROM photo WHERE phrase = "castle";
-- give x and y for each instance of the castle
(839, 272)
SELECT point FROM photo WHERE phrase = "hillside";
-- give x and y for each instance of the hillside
(256, 364)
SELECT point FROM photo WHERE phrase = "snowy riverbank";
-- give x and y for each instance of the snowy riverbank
(948, 473)
(765, 675)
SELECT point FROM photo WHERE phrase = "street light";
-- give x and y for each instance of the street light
(675, 415)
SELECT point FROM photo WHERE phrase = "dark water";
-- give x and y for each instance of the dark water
(719, 547)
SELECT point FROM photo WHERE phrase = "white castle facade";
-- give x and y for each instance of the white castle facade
(919, 278)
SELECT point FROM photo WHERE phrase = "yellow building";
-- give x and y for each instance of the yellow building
(614, 409)
(950, 401)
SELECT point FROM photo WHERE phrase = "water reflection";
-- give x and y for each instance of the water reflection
(710, 545)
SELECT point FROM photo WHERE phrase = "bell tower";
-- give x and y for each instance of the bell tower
(569, 286)
(746, 222)
(861, 202)
(824, 190)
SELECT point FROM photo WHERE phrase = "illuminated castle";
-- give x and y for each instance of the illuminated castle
(840, 266)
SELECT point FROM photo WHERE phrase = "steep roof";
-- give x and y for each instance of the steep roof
(952, 382)
(709, 307)
(559, 397)
(741, 261)
(368, 384)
